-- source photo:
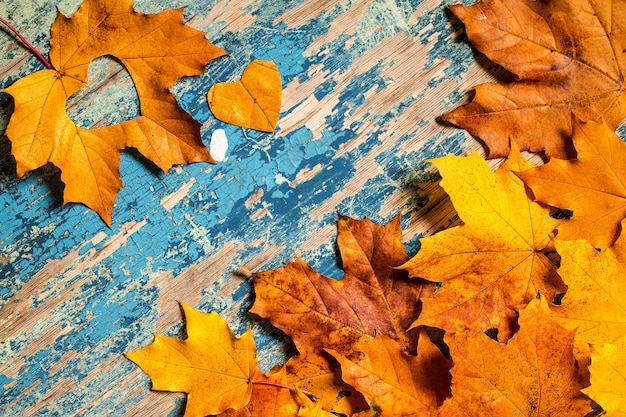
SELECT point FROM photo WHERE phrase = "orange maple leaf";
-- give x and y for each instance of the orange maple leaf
(157, 50)
(493, 263)
(393, 382)
(567, 56)
(320, 312)
(593, 185)
(534, 374)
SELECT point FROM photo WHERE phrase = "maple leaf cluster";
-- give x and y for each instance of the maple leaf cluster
(525, 335)
(157, 50)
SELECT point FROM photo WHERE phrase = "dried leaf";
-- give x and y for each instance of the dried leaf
(252, 102)
(608, 378)
(593, 185)
(534, 374)
(157, 50)
(395, 383)
(567, 56)
(320, 312)
(493, 263)
(212, 366)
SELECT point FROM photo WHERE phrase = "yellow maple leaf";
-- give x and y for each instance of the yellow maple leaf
(608, 378)
(157, 50)
(595, 301)
(212, 366)
(493, 263)
(219, 373)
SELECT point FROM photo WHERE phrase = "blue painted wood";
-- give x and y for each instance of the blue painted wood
(363, 82)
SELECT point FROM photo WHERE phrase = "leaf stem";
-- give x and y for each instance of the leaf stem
(27, 44)
(292, 389)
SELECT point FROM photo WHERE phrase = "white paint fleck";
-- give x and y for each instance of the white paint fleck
(218, 145)
(280, 179)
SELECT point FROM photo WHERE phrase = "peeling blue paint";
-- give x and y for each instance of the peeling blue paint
(4, 380)
(112, 308)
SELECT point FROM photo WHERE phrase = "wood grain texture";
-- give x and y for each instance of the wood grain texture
(363, 82)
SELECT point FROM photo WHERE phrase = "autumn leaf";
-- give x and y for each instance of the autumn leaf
(219, 373)
(267, 398)
(534, 374)
(608, 378)
(595, 301)
(493, 263)
(157, 50)
(212, 366)
(252, 102)
(593, 185)
(566, 55)
(320, 312)
(312, 372)
(395, 383)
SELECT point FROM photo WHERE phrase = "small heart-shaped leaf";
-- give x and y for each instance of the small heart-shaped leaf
(253, 102)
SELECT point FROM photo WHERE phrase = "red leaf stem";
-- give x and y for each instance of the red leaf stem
(27, 44)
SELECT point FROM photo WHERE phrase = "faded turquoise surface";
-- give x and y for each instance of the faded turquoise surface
(272, 192)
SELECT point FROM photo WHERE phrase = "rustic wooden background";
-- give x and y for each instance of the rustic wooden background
(363, 83)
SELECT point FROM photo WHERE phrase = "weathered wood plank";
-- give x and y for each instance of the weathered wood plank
(363, 83)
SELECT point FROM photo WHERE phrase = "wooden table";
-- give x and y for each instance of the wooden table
(363, 83)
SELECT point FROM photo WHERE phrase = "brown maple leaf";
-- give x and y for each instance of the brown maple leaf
(493, 263)
(372, 298)
(393, 382)
(157, 50)
(567, 56)
(534, 374)
(593, 185)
